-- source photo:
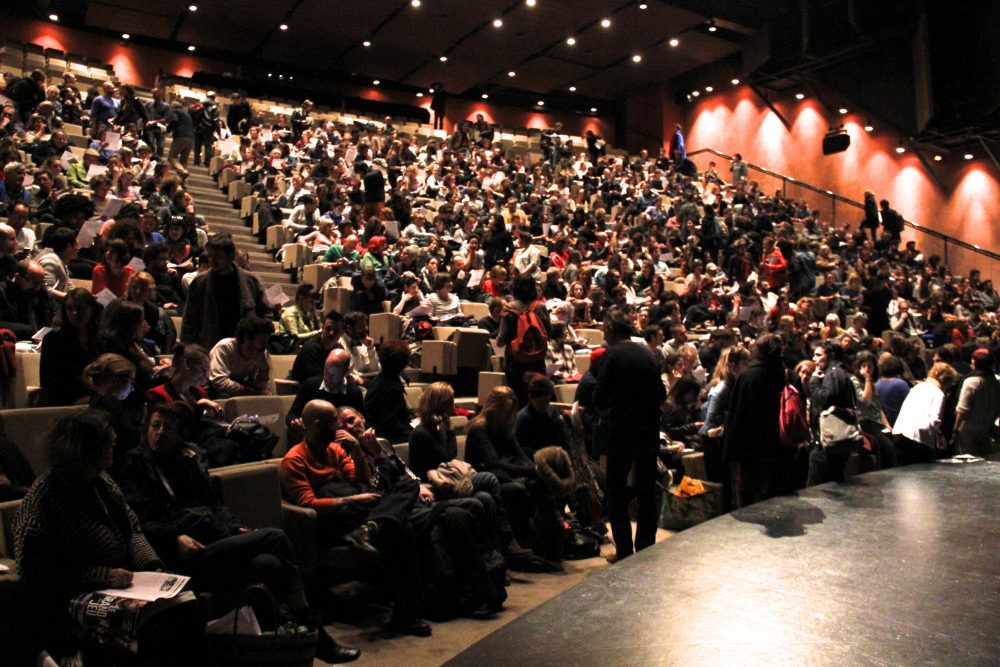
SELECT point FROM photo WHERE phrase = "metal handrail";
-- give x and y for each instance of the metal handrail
(851, 202)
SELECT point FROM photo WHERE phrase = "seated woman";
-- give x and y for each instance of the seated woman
(300, 318)
(75, 531)
(320, 239)
(678, 422)
(491, 445)
(160, 335)
(385, 401)
(917, 429)
(184, 389)
(538, 423)
(67, 350)
(199, 536)
(113, 274)
(560, 361)
(443, 304)
(111, 378)
(411, 296)
(123, 329)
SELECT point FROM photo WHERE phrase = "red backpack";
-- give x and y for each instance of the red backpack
(531, 342)
(792, 423)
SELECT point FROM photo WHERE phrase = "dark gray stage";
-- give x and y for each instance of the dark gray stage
(900, 567)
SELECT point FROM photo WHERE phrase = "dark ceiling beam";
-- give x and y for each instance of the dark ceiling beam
(179, 23)
(770, 105)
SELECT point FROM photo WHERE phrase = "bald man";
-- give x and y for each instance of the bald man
(25, 306)
(334, 386)
(329, 473)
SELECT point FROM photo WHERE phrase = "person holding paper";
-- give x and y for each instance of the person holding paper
(103, 109)
(66, 351)
(77, 174)
(75, 530)
(25, 306)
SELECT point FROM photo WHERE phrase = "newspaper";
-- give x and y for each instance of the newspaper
(150, 586)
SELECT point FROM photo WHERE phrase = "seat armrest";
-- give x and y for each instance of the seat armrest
(300, 524)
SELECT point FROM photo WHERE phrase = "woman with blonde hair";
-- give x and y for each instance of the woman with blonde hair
(491, 445)
(732, 363)
(917, 429)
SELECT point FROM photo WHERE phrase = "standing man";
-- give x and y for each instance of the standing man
(628, 396)
(739, 169)
(206, 129)
(978, 406)
(892, 222)
(301, 120)
(181, 129)
(158, 113)
(239, 112)
(103, 109)
(677, 149)
(438, 103)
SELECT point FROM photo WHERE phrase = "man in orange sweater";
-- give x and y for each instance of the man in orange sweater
(329, 473)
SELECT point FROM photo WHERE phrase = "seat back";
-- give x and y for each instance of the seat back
(253, 492)
(593, 337)
(263, 406)
(28, 381)
(487, 381)
(475, 309)
(28, 429)
(565, 393)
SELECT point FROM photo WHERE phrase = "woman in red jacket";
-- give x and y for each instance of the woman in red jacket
(113, 274)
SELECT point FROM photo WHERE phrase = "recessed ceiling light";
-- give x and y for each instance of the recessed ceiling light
(191, 48)
(125, 35)
(800, 96)
(593, 109)
(283, 26)
(530, 3)
(571, 40)
(637, 58)
(376, 82)
(643, 5)
(366, 43)
(605, 23)
(291, 78)
(281, 76)
(443, 59)
(431, 91)
(415, 3)
(938, 158)
(420, 94)
(572, 89)
(497, 23)
(270, 74)
(900, 149)
(842, 111)
(968, 156)
(485, 96)
(53, 17)
(711, 26)
(869, 127)
(541, 103)
(736, 82)
(512, 73)
(674, 41)
(695, 93)
(192, 8)
(709, 89)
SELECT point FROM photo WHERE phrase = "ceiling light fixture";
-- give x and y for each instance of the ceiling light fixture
(415, 3)
(643, 5)
(443, 59)
(695, 93)
(530, 3)
(868, 126)
(191, 48)
(637, 58)
(968, 156)
(900, 150)
(674, 41)
(366, 43)
(431, 91)
(605, 23)
(571, 41)
(736, 82)
(497, 23)
(938, 158)
(711, 26)
(593, 109)
(512, 73)
(192, 8)
(709, 89)
(376, 82)
(541, 103)
(283, 26)
(420, 94)
(485, 96)
(270, 74)
(842, 111)
(290, 78)
(800, 96)
(125, 35)
(572, 89)
(53, 17)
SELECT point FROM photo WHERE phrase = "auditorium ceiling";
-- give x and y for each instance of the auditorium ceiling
(408, 44)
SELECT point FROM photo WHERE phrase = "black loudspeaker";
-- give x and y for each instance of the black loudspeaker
(836, 143)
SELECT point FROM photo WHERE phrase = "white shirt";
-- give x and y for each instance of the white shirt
(920, 413)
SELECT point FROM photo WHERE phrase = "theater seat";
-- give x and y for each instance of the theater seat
(263, 406)
(252, 491)
(28, 381)
(28, 428)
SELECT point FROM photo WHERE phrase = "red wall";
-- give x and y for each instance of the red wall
(134, 63)
(967, 207)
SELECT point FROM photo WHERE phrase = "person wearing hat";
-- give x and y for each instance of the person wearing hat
(77, 172)
(206, 129)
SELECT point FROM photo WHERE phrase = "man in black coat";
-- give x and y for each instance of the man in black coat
(830, 387)
(333, 386)
(892, 222)
(751, 438)
(628, 396)
(311, 358)
(25, 306)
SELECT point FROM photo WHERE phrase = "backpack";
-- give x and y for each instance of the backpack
(792, 422)
(531, 341)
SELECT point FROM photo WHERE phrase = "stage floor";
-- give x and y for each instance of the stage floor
(898, 567)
